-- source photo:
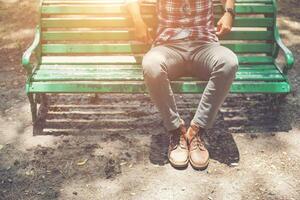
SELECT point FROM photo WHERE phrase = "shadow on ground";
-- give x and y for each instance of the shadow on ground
(135, 114)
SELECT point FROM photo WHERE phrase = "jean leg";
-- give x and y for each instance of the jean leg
(218, 65)
(160, 65)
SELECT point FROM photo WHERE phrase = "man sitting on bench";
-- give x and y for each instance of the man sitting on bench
(186, 44)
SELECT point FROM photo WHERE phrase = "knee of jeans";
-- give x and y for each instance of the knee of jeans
(233, 64)
(153, 66)
(230, 66)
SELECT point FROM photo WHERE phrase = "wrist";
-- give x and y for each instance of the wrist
(228, 15)
(196, 127)
(229, 11)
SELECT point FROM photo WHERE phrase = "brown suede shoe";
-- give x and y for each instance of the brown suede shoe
(178, 153)
(198, 154)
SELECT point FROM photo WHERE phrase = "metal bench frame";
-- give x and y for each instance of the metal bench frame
(36, 90)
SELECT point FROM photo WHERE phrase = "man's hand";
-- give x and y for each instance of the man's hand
(224, 25)
(141, 32)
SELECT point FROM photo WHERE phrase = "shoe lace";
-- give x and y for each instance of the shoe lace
(195, 138)
(178, 138)
(197, 142)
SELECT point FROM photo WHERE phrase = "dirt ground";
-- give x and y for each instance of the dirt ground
(114, 147)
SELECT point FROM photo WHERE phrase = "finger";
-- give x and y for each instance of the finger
(150, 39)
(145, 35)
(219, 26)
(220, 32)
(226, 29)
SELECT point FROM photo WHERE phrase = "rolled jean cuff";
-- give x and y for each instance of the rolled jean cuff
(173, 125)
(200, 124)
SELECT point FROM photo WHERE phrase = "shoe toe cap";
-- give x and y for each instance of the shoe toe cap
(179, 156)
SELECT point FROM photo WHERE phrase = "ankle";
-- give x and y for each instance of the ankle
(196, 127)
(194, 130)
(181, 129)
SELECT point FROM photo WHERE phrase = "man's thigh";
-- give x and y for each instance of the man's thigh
(165, 59)
(208, 57)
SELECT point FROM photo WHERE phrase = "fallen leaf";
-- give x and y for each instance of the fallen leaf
(123, 163)
(1, 146)
(82, 162)
(233, 164)
(29, 173)
(41, 193)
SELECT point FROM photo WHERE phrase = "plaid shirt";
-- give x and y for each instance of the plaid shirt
(185, 20)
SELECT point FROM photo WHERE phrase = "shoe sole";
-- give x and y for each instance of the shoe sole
(183, 165)
(199, 167)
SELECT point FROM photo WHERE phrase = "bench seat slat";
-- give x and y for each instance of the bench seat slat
(121, 73)
(108, 35)
(91, 59)
(139, 48)
(96, 67)
(58, 60)
(139, 77)
(121, 1)
(123, 22)
(139, 87)
(121, 9)
(136, 74)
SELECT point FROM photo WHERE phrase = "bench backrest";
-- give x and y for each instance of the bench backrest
(97, 27)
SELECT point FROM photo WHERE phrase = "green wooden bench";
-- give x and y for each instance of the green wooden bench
(88, 46)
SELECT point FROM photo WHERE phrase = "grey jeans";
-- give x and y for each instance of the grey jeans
(211, 62)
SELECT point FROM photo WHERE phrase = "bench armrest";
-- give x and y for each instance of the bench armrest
(32, 49)
(288, 55)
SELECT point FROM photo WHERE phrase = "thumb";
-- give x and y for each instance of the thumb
(219, 23)
(150, 39)
(220, 31)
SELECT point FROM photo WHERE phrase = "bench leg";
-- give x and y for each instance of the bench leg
(94, 98)
(43, 109)
(276, 99)
(38, 115)
(33, 107)
(282, 97)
